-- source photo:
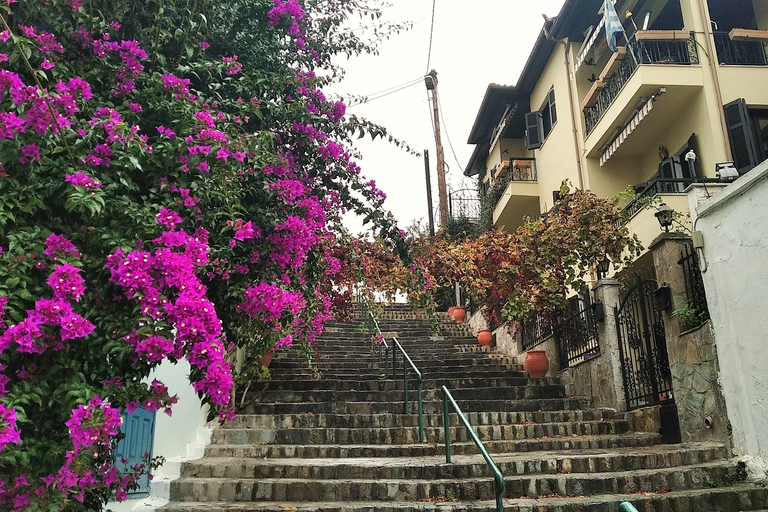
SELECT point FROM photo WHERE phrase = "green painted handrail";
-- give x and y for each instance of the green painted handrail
(627, 507)
(498, 478)
(383, 346)
(407, 361)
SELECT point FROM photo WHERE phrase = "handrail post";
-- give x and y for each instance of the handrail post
(421, 411)
(386, 362)
(446, 427)
(627, 507)
(405, 385)
(394, 360)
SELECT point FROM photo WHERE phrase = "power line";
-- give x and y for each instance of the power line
(447, 135)
(370, 99)
(431, 33)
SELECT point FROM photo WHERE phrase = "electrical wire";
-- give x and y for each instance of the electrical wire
(445, 126)
(374, 98)
(431, 33)
(337, 96)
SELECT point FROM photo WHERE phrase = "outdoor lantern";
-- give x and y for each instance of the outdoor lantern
(602, 267)
(664, 215)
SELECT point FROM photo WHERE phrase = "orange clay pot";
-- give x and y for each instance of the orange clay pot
(267, 358)
(459, 314)
(484, 337)
(451, 310)
(536, 363)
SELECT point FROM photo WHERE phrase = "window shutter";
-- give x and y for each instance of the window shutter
(743, 143)
(552, 109)
(136, 447)
(533, 130)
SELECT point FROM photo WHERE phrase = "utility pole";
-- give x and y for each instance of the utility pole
(429, 194)
(431, 82)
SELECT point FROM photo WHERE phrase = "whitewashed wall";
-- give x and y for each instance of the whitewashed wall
(735, 227)
(178, 438)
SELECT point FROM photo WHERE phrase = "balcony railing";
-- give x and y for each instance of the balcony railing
(676, 51)
(522, 170)
(652, 188)
(739, 53)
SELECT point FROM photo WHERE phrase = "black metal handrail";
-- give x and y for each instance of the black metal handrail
(679, 51)
(498, 478)
(654, 187)
(740, 53)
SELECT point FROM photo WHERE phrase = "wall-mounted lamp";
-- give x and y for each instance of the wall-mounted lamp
(726, 171)
(665, 215)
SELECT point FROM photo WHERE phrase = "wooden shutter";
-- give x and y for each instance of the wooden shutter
(136, 447)
(552, 109)
(533, 131)
(742, 136)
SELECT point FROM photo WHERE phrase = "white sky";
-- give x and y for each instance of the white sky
(474, 44)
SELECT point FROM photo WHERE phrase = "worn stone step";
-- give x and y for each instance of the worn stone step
(397, 384)
(741, 497)
(429, 407)
(421, 450)
(411, 420)
(431, 393)
(461, 466)
(573, 484)
(346, 375)
(406, 435)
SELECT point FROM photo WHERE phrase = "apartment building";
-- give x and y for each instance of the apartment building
(685, 90)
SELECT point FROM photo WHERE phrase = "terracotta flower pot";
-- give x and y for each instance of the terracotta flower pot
(267, 358)
(451, 310)
(459, 314)
(536, 363)
(484, 337)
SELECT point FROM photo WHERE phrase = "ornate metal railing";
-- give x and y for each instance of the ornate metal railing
(578, 335)
(537, 329)
(740, 53)
(680, 51)
(654, 187)
(694, 284)
(464, 203)
(498, 478)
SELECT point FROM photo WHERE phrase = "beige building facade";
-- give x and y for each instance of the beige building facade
(686, 90)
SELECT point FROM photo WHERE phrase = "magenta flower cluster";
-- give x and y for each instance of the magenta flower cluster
(268, 303)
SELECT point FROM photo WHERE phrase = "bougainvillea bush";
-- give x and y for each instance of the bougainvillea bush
(171, 176)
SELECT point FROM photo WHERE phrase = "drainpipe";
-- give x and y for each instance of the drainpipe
(567, 47)
(708, 36)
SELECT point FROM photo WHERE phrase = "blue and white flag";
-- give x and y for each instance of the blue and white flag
(613, 25)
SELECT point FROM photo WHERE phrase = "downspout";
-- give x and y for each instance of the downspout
(711, 54)
(567, 47)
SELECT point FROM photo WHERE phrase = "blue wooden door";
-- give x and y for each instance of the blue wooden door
(136, 447)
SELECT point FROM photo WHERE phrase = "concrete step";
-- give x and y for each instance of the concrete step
(461, 466)
(741, 497)
(573, 484)
(313, 451)
(479, 381)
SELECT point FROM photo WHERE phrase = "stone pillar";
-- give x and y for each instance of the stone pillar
(692, 353)
(610, 382)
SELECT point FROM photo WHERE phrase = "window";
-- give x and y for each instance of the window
(539, 124)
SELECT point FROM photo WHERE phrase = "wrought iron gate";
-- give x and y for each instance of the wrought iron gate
(643, 346)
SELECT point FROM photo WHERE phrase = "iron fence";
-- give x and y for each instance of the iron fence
(739, 53)
(694, 285)
(464, 203)
(578, 336)
(537, 329)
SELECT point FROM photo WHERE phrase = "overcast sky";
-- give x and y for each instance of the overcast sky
(474, 44)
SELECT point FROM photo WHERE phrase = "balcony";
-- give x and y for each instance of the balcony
(517, 177)
(645, 47)
(741, 47)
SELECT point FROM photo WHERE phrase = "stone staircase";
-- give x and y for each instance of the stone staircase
(341, 442)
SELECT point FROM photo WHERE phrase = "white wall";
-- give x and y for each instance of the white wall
(735, 227)
(178, 438)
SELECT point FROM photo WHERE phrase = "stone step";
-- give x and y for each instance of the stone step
(421, 450)
(429, 407)
(397, 384)
(411, 420)
(461, 466)
(741, 497)
(406, 435)
(428, 394)
(573, 484)
(496, 371)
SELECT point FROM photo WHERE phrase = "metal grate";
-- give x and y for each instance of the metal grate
(739, 53)
(537, 329)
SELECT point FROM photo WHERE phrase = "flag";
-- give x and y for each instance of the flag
(613, 25)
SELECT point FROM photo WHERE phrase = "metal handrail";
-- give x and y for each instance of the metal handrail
(627, 507)
(407, 361)
(498, 478)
